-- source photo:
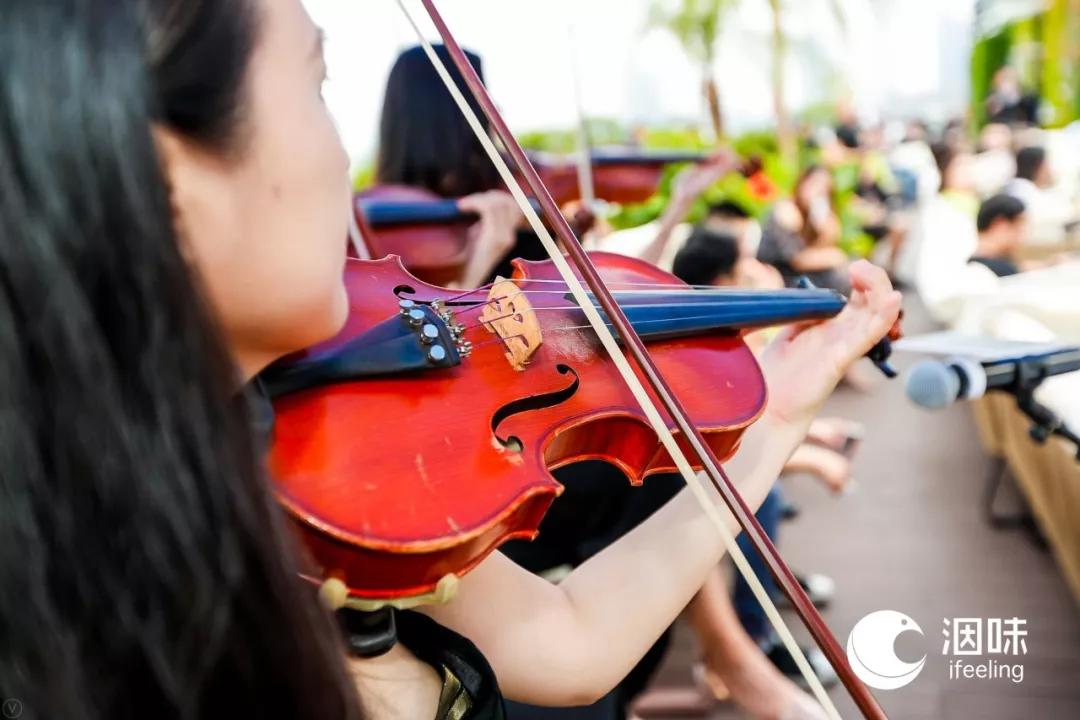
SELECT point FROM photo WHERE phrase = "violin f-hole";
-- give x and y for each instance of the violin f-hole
(533, 402)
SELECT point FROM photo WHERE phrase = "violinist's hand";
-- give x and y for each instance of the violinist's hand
(804, 363)
(493, 234)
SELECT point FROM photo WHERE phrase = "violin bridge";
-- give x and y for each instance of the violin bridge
(510, 316)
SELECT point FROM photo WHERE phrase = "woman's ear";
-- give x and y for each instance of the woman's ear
(200, 191)
(170, 152)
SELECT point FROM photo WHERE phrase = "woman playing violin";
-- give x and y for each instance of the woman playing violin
(424, 142)
(173, 207)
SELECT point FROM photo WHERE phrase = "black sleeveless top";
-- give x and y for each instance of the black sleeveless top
(470, 690)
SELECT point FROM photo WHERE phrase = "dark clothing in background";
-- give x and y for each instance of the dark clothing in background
(1020, 110)
(526, 247)
(1002, 267)
(779, 246)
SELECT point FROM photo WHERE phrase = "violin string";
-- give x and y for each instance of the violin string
(482, 306)
(659, 287)
(564, 308)
(496, 341)
(682, 305)
(482, 288)
(563, 328)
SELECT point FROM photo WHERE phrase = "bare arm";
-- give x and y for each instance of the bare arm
(818, 258)
(688, 187)
(569, 644)
(493, 234)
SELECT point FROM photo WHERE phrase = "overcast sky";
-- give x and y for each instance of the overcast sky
(895, 51)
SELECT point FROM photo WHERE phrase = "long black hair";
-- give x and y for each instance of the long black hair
(424, 140)
(145, 570)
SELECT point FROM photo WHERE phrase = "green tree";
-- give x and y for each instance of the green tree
(697, 24)
(784, 131)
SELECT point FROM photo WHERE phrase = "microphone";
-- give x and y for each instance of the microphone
(935, 384)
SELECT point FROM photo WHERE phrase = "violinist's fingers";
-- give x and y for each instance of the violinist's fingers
(872, 292)
(868, 280)
(495, 207)
(471, 203)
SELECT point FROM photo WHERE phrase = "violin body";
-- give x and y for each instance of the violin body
(398, 481)
(429, 233)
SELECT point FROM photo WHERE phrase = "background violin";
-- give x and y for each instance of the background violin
(428, 232)
(619, 175)
(431, 233)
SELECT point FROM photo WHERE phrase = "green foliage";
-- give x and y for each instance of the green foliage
(695, 23)
(1042, 48)
(1061, 67)
(364, 177)
(688, 139)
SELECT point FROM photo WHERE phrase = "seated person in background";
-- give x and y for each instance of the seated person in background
(913, 163)
(800, 234)
(1048, 213)
(1002, 225)
(1008, 103)
(713, 255)
(995, 163)
(878, 197)
(956, 168)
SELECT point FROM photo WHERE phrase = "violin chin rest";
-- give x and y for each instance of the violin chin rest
(417, 339)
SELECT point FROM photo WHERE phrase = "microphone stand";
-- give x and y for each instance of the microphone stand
(1029, 376)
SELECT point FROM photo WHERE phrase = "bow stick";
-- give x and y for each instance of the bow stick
(584, 159)
(710, 464)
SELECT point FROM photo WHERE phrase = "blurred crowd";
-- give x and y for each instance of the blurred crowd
(947, 212)
(951, 213)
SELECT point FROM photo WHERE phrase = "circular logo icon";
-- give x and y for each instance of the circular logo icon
(872, 654)
(11, 708)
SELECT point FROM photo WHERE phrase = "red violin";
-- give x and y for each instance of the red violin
(428, 232)
(424, 435)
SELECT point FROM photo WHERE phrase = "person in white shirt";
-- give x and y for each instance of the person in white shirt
(1048, 212)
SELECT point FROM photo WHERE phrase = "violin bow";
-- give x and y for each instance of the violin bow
(584, 158)
(813, 621)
